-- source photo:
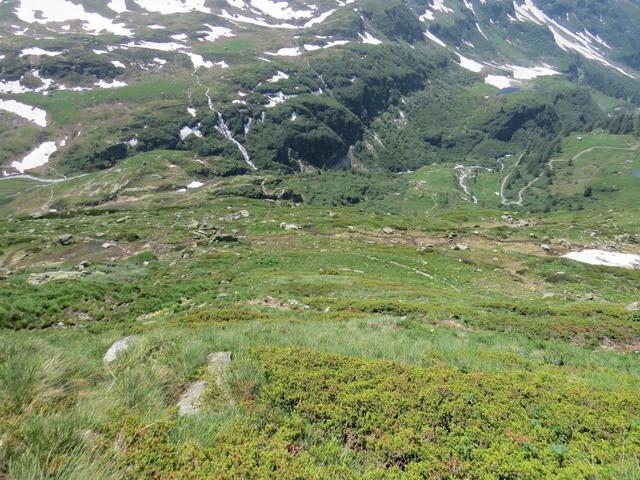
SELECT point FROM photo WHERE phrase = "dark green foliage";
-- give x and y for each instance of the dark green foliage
(320, 133)
(342, 23)
(335, 188)
(368, 80)
(605, 81)
(75, 65)
(394, 19)
(308, 412)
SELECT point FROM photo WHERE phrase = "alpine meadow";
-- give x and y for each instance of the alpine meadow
(328, 239)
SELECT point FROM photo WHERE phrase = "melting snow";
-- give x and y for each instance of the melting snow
(278, 76)
(39, 52)
(277, 98)
(601, 257)
(37, 158)
(499, 81)
(428, 15)
(286, 52)
(280, 10)
(469, 64)
(435, 39)
(529, 73)
(370, 39)
(56, 11)
(198, 61)
(113, 84)
(216, 32)
(33, 114)
(439, 6)
(167, 7)
(187, 132)
(118, 6)
(564, 38)
(193, 185)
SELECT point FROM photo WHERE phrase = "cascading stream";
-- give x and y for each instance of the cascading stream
(222, 125)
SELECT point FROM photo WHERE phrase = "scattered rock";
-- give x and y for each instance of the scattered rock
(515, 222)
(106, 245)
(225, 238)
(116, 350)
(65, 239)
(546, 247)
(193, 225)
(452, 235)
(189, 403)
(289, 226)
(237, 216)
(83, 266)
(634, 307)
(388, 230)
(463, 247)
(37, 279)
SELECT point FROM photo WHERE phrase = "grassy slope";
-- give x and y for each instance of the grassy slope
(512, 340)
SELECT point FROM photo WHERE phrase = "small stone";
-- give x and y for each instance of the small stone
(634, 307)
(106, 245)
(546, 247)
(289, 226)
(463, 247)
(65, 239)
(225, 238)
(116, 350)
(388, 230)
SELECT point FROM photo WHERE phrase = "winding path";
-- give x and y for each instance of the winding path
(521, 192)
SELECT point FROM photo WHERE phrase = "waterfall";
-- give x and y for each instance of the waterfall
(222, 125)
(224, 130)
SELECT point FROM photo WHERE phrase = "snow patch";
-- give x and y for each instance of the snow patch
(470, 64)
(33, 114)
(278, 76)
(499, 81)
(58, 11)
(602, 257)
(37, 51)
(195, 185)
(38, 157)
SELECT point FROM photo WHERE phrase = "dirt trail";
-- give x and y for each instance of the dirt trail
(521, 192)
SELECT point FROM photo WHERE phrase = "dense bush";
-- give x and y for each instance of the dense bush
(319, 415)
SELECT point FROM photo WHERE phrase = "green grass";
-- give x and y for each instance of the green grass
(357, 353)
(62, 106)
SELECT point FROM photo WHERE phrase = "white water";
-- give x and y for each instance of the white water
(222, 126)
(462, 173)
(224, 129)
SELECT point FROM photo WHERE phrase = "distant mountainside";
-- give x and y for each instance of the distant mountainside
(295, 86)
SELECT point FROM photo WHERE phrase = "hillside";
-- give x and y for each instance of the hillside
(248, 239)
